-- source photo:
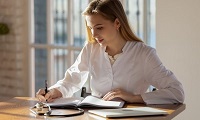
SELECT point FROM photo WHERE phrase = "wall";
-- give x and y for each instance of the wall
(13, 49)
(178, 45)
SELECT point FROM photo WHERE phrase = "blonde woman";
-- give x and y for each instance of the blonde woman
(117, 63)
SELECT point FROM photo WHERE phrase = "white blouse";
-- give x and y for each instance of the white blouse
(137, 67)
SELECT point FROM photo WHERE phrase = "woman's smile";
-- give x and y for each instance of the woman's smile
(100, 40)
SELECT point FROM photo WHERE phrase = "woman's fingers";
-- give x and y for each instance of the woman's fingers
(107, 96)
(48, 96)
(40, 92)
(40, 95)
(50, 100)
(41, 98)
(44, 97)
(111, 95)
(52, 95)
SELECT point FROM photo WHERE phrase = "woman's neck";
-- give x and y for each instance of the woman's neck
(115, 48)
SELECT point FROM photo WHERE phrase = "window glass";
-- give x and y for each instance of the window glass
(60, 14)
(79, 23)
(40, 68)
(134, 11)
(40, 21)
(152, 20)
(60, 63)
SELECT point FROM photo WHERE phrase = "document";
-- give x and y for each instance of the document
(128, 112)
(89, 101)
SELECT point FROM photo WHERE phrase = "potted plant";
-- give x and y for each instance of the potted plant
(4, 29)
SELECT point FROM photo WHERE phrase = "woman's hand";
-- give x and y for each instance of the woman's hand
(128, 97)
(50, 96)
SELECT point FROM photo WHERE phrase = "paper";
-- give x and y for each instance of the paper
(89, 101)
(71, 101)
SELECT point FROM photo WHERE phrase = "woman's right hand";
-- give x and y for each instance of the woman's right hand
(50, 96)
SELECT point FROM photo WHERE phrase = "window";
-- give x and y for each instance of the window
(59, 34)
(141, 15)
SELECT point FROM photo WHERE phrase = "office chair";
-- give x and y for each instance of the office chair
(84, 92)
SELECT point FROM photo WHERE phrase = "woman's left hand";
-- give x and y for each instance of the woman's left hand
(128, 97)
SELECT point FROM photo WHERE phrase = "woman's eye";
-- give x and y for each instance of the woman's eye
(99, 28)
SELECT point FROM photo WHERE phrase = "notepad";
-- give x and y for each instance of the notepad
(128, 112)
(89, 101)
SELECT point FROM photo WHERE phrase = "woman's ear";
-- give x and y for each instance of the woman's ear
(117, 23)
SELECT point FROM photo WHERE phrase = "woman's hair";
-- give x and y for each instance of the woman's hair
(110, 10)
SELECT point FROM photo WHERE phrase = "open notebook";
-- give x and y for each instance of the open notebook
(127, 112)
(89, 101)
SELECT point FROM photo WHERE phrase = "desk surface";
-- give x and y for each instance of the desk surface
(18, 108)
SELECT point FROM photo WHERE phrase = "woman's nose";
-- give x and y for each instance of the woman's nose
(94, 33)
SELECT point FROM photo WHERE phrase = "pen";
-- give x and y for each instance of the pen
(46, 87)
(46, 90)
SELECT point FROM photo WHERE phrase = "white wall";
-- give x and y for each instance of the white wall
(178, 45)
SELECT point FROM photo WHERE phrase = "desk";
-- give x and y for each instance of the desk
(17, 108)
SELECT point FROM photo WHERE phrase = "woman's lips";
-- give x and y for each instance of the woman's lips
(100, 40)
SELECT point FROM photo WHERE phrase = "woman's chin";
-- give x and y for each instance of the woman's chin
(101, 43)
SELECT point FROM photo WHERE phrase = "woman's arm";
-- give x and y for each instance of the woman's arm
(169, 89)
(74, 79)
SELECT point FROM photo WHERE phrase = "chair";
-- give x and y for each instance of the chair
(84, 92)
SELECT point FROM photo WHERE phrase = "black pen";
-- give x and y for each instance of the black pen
(46, 90)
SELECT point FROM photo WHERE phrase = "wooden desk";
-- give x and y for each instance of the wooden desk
(18, 109)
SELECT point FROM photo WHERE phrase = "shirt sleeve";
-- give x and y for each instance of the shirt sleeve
(76, 75)
(170, 90)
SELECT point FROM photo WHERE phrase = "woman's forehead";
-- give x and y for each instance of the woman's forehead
(95, 19)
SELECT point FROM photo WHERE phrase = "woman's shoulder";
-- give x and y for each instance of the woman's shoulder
(91, 46)
(139, 46)
(140, 49)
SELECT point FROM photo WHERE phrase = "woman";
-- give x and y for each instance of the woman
(118, 64)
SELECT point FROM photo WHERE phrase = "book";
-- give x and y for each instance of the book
(89, 101)
(128, 112)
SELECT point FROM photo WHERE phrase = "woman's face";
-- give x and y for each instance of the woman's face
(104, 31)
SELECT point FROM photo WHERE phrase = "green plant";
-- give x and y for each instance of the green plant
(4, 29)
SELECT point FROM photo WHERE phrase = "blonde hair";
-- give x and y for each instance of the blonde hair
(110, 10)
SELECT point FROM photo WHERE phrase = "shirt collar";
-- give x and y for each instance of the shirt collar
(123, 49)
